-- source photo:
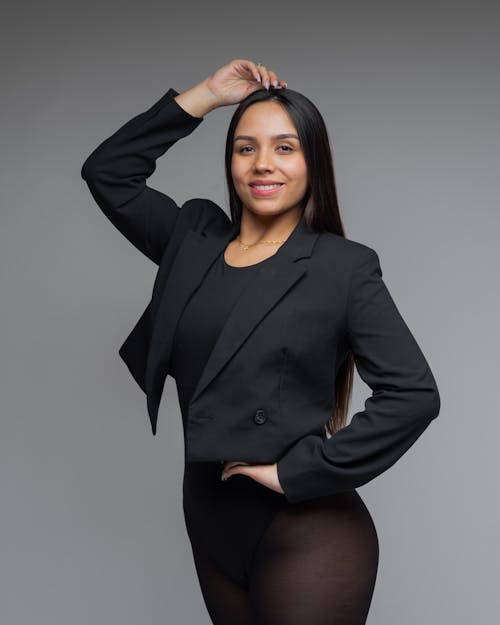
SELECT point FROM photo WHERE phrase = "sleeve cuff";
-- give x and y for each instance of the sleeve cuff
(170, 95)
(295, 478)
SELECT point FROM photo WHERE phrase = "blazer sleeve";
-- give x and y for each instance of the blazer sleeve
(116, 173)
(404, 399)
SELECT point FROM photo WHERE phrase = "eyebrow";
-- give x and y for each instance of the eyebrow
(286, 135)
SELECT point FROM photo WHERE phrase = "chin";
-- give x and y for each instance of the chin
(269, 210)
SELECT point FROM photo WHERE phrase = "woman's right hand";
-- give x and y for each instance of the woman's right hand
(237, 79)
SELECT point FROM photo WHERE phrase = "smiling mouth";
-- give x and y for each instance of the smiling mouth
(265, 190)
(267, 186)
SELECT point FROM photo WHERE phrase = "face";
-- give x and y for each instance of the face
(260, 155)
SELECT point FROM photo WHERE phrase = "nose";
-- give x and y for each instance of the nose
(263, 162)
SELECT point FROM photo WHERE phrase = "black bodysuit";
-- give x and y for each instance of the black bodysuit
(251, 548)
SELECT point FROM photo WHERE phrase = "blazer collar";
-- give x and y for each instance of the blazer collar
(193, 260)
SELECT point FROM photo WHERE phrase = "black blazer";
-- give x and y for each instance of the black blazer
(266, 391)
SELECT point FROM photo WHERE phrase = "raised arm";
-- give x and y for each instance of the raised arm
(116, 171)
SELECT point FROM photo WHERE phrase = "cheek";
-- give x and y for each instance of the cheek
(298, 173)
(236, 171)
(240, 186)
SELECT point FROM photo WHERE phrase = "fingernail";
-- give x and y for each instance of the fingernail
(267, 83)
(275, 83)
(258, 78)
(223, 477)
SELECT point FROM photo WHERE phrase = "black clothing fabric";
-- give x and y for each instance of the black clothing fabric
(266, 392)
(202, 321)
(256, 555)
(275, 337)
(263, 561)
(207, 506)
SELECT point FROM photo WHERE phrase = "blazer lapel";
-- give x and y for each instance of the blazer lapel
(193, 260)
(267, 287)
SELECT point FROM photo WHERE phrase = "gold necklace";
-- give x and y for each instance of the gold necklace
(245, 246)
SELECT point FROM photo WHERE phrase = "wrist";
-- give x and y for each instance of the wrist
(198, 100)
(211, 100)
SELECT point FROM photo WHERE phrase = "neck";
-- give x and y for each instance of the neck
(254, 228)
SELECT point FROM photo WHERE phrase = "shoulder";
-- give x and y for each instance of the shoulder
(203, 216)
(347, 255)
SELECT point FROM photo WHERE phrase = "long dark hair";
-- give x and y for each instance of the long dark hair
(322, 214)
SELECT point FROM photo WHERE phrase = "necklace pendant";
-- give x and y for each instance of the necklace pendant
(245, 247)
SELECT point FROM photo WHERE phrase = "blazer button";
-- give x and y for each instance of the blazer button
(259, 416)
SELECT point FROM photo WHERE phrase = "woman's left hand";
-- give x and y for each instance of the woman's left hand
(265, 474)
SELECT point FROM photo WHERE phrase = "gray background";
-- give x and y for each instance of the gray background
(91, 519)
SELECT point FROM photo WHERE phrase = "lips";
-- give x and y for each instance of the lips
(259, 182)
(265, 192)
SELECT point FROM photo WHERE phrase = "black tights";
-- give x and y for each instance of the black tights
(316, 564)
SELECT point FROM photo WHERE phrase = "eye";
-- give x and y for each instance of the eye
(244, 148)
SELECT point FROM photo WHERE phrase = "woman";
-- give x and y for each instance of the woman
(290, 540)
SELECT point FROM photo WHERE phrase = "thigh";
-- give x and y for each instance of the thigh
(226, 600)
(316, 564)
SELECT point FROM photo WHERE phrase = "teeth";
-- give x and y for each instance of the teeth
(266, 186)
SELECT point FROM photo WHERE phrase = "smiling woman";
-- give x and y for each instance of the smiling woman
(268, 165)
(243, 531)
(260, 319)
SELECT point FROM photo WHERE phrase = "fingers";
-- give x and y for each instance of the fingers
(275, 81)
(270, 78)
(229, 467)
(234, 463)
(265, 76)
(254, 70)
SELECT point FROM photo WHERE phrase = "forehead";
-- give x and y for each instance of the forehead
(265, 118)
